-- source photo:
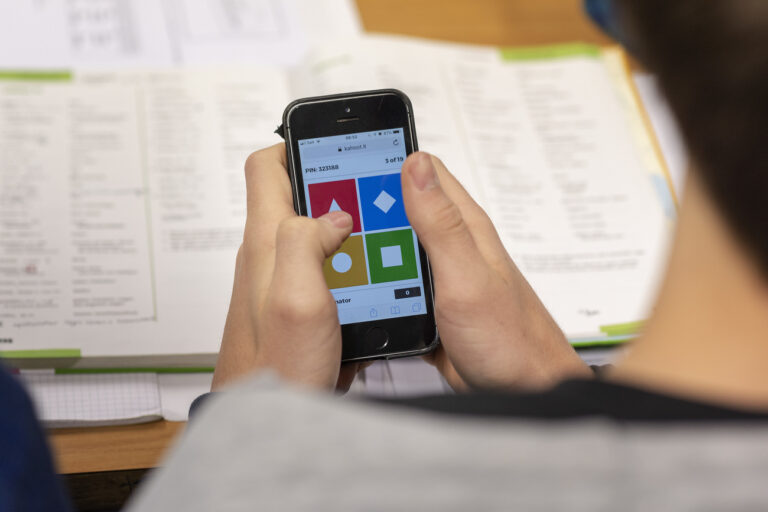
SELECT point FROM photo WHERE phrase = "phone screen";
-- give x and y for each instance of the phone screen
(376, 274)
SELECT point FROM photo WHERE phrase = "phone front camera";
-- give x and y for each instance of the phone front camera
(347, 110)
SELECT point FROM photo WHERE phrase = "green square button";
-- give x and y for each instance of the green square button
(391, 256)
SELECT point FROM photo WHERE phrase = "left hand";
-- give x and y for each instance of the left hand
(282, 315)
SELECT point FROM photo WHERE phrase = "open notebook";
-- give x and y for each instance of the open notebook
(93, 400)
(131, 189)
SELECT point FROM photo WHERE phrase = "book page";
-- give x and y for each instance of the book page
(115, 34)
(571, 194)
(419, 70)
(124, 206)
(258, 31)
(200, 131)
(75, 246)
(547, 147)
(24, 43)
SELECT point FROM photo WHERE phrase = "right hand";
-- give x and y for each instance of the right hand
(495, 331)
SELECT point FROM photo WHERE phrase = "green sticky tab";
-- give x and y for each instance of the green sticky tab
(35, 76)
(79, 371)
(554, 51)
(608, 341)
(41, 354)
(625, 329)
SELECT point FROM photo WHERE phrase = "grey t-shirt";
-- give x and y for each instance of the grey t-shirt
(265, 446)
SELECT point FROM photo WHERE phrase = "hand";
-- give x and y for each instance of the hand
(495, 331)
(282, 315)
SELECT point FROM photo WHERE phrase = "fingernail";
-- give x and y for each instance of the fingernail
(423, 172)
(339, 218)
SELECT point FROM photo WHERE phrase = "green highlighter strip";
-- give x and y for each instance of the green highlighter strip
(75, 354)
(36, 75)
(555, 51)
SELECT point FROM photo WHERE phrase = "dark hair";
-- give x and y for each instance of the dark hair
(711, 58)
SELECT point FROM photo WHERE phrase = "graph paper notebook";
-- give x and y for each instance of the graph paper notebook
(93, 400)
(131, 188)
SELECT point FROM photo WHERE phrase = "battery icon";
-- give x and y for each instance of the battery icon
(395, 131)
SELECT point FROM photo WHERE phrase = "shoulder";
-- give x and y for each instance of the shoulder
(19, 431)
(27, 478)
(266, 446)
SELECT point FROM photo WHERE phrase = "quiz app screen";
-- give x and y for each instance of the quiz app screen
(376, 273)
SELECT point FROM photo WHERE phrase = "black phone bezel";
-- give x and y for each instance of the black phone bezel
(342, 114)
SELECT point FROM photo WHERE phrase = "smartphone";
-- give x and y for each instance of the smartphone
(345, 153)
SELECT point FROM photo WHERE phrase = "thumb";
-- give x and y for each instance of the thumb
(303, 244)
(436, 218)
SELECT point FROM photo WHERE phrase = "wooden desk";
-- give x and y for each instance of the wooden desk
(87, 450)
(496, 22)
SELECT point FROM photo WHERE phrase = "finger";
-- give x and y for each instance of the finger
(437, 220)
(238, 349)
(269, 202)
(303, 244)
(440, 360)
(347, 375)
(268, 186)
(480, 226)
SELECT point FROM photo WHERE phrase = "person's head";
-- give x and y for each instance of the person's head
(711, 59)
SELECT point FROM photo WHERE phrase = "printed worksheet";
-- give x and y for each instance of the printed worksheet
(115, 34)
(122, 205)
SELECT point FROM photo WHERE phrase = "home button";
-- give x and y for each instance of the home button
(376, 338)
